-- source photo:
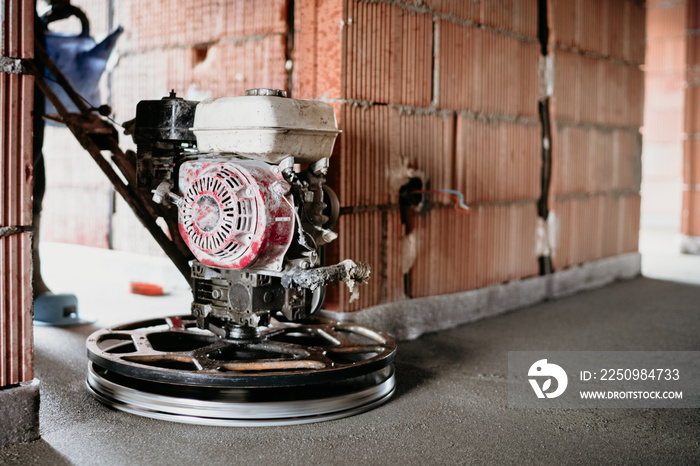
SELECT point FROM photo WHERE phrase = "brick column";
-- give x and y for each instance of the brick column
(690, 218)
(662, 157)
(19, 394)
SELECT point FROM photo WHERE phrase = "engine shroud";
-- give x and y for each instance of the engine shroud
(235, 213)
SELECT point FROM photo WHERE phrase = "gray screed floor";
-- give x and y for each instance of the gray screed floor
(450, 406)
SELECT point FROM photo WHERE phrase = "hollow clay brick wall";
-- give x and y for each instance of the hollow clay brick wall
(450, 89)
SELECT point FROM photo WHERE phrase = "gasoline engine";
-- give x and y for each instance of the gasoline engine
(255, 220)
(246, 176)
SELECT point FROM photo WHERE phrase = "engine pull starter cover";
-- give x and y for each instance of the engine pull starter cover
(235, 213)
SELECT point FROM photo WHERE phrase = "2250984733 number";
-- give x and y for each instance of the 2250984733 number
(639, 374)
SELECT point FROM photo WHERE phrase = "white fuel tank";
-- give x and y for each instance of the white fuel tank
(264, 125)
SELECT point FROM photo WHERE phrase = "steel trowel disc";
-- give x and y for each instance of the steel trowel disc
(294, 373)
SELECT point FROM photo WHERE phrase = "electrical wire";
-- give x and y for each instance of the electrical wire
(456, 196)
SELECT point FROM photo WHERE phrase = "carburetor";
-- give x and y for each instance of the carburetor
(247, 177)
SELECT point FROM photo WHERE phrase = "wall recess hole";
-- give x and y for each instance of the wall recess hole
(199, 54)
(410, 195)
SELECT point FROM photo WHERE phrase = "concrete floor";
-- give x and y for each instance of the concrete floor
(451, 401)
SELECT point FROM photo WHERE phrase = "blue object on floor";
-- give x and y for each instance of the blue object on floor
(58, 310)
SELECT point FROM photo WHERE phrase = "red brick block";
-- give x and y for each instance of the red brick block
(253, 17)
(609, 28)
(593, 97)
(570, 160)
(591, 228)
(518, 16)
(623, 92)
(592, 33)
(157, 23)
(563, 22)
(464, 10)
(329, 39)
(16, 308)
(246, 65)
(304, 52)
(497, 160)
(318, 55)
(590, 90)
(486, 72)
(444, 252)
(389, 54)
(590, 160)
(364, 162)
(16, 96)
(134, 16)
(458, 61)
(567, 86)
